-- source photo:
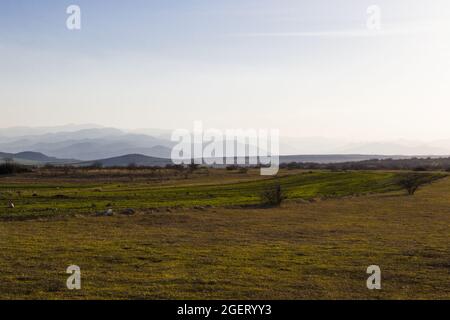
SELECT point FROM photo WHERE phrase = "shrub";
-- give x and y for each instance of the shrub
(9, 167)
(412, 182)
(193, 166)
(243, 170)
(272, 196)
(293, 165)
(176, 167)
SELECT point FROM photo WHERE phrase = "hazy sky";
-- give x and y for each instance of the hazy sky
(309, 68)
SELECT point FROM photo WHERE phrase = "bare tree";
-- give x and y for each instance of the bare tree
(412, 182)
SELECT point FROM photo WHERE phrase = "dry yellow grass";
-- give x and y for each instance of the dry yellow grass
(300, 251)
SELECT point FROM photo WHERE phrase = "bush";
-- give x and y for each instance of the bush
(293, 165)
(176, 167)
(9, 167)
(412, 182)
(193, 166)
(272, 196)
(243, 170)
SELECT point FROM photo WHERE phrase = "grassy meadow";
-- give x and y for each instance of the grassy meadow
(204, 235)
(37, 196)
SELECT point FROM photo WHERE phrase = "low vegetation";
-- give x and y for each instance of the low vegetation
(415, 164)
(301, 250)
(10, 167)
(412, 182)
(272, 196)
(38, 196)
(138, 234)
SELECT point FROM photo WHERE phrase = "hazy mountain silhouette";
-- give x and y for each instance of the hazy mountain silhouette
(91, 142)
(88, 144)
(33, 158)
(129, 159)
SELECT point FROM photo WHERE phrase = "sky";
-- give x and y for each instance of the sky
(307, 68)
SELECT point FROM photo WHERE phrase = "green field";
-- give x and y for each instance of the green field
(34, 198)
(217, 243)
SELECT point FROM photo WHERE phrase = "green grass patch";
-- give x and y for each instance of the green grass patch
(34, 200)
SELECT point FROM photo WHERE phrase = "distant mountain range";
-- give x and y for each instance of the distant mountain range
(111, 146)
(88, 144)
(34, 158)
(37, 158)
(129, 159)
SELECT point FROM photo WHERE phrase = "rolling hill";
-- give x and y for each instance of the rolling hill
(129, 159)
(33, 158)
(88, 144)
